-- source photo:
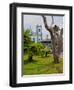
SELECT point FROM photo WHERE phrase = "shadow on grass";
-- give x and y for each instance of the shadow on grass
(28, 61)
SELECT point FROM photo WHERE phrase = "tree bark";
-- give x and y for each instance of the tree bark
(55, 50)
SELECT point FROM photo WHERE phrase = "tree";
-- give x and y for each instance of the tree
(34, 49)
(27, 40)
(27, 43)
(45, 51)
(31, 48)
(56, 37)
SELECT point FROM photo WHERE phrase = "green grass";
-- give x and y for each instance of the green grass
(41, 65)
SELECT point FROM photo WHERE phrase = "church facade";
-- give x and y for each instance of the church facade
(37, 35)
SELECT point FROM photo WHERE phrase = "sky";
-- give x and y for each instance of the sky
(30, 21)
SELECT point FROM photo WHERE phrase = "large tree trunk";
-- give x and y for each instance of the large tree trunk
(56, 40)
(55, 49)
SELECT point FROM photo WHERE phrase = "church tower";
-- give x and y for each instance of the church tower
(39, 33)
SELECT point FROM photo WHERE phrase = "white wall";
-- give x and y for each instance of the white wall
(4, 43)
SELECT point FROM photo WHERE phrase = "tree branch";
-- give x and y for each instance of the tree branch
(61, 32)
(45, 23)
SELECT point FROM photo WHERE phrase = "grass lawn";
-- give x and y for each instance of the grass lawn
(41, 65)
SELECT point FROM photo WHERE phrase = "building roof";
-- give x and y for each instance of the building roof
(46, 41)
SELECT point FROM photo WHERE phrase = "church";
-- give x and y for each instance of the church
(36, 36)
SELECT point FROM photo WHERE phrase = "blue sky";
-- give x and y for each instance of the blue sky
(30, 21)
